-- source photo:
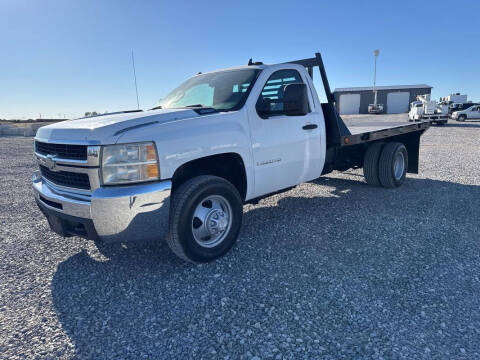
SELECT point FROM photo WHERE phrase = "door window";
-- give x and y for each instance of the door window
(273, 90)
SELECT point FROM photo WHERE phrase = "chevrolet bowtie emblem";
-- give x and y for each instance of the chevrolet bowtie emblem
(48, 161)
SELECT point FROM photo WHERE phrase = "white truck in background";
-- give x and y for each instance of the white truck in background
(426, 109)
(456, 102)
(454, 98)
(460, 106)
(183, 170)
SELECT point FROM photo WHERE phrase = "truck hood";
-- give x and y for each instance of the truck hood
(106, 129)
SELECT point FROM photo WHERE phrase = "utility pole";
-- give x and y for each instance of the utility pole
(135, 79)
(375, 53)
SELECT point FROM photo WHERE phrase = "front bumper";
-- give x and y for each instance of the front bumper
(111, 214)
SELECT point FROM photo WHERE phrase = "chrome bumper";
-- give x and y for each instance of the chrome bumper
(135, 212)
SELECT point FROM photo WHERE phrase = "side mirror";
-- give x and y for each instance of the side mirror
(264, 106)
(295, 100)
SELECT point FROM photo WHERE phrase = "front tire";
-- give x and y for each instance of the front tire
(393, 165)
(462, 118)
(205, 218)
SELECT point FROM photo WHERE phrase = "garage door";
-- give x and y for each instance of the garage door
(349, 104)
(397, 102)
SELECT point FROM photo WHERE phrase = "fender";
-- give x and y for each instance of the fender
(185, 140)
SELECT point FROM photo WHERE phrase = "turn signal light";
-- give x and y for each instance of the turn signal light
(152, 171)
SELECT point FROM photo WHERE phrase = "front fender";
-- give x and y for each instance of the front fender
(185, 140)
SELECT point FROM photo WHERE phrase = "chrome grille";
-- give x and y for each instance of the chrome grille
(64, 151)
(66, 178)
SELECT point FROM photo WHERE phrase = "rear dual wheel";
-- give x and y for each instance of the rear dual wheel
(385, 164)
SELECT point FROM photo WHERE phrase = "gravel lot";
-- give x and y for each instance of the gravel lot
(332, 269)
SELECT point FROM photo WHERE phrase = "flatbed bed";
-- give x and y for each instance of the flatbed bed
(433, 118)
(362, 131)
(347, 141)
(363, 126)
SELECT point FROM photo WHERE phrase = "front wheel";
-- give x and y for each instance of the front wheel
(462, 118)
(205, 218)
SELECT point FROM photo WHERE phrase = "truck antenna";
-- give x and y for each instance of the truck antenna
(135, 79)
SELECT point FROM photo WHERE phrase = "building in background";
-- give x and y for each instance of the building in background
(395, 99)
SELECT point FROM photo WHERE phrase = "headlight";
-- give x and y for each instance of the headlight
(129, 163)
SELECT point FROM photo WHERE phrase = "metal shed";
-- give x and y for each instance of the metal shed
(395, 99)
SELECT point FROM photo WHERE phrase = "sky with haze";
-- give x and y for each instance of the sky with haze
(61, 58)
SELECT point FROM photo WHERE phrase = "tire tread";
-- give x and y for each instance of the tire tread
(385, 165)
(370, 163)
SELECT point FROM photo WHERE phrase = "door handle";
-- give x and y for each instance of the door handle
(309, 126)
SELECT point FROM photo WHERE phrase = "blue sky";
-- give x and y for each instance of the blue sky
(63, 57)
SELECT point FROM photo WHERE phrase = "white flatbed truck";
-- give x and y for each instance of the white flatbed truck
(425, 109)
(183, 170)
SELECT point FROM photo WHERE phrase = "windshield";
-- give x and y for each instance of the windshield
(223, 90)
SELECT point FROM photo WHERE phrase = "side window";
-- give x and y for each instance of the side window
(273, 89)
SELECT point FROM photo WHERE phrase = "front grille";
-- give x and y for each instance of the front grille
(65, 178)
(64, 151)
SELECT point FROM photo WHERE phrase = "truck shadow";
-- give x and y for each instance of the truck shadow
(138, 298)
(471, 124)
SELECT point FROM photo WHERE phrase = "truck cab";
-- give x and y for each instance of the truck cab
(183, 170)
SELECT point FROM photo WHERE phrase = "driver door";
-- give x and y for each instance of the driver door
(475, 113)
(285, 148)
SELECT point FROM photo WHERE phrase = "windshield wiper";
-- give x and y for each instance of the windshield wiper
(196, 105)
(156, 107)
(200, 109)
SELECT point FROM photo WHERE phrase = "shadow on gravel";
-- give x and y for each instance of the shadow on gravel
(143, 301)
(464, 124)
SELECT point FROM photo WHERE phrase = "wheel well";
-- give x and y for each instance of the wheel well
(229, 166)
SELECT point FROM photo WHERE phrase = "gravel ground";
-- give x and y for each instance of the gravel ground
(332, 269)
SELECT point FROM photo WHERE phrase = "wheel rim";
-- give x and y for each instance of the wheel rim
(398, 165)
(211, 221)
